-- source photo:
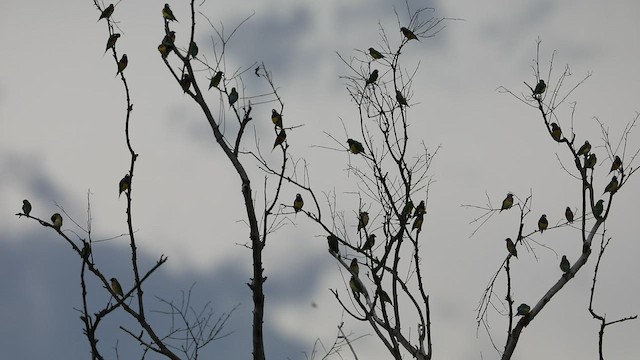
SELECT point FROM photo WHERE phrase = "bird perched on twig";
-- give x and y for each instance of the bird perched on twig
(167, 13)
(540, 88)
(375, 54)
(507, 203)
(543, 223)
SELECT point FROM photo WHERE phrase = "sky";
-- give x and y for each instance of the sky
(61, 137)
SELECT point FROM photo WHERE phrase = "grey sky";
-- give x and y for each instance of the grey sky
(61, 133)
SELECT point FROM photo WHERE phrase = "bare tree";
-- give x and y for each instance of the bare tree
(546, 95)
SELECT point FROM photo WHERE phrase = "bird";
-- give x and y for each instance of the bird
(420, 209)
(372, 77)
(282, 135)
(584, 149)
(298, 203)
(332, 240)
(590, 162)
(384, 297)
(417, 223)
(56, 220)
(543, 223)
(233, 96)
(408, 33)
(355, 146)
(540, 88)
(511, 247)
(523, 309)
(598, 208)
(125, 184)
(122, 64)
(215, 80)
(167, 13)
(616, 165)
(193, 49)
(375, 54)
(355, 269)
(86, 250)
(368, 244)
(26, 207)
(169, 39)
(111, 42)
(356, 287)
(106, 13)
(400, 98)
(363, 220)
(612, 187)
(185, 82)
(164, 50)
(556, 132)
(565, 266)
(407, 209)
(568, 214)
(276, 118)
(115, 286)
(507, 203)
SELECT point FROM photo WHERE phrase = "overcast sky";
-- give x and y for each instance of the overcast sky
(61, 135)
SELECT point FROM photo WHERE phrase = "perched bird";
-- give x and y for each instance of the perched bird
(511, 247)
(215, 80)
(523, 309)
(332, 240)
(543, 223)
(598, 208)
(372, 77)
(363, 220)
(185, 82)
(612, 187)
(276, 118)
(233, 96)
(122, 64)
(384, 297)
(356, 287)
(375, 54)
(568, 214)
(420, 209)
(400, 98)
(164, 50)
(167, 13)
(584, 149)
(56, 220)
(590, 162)
(106, 13)
(507, 203)
(408, 33)
(407, 209)
(26, 207)
(540, 88)
(368, 244)
(298, 203)
(193, 49)
(565, 266)
(111, 42)
(125, 184)
(355, 146)
(616, 165)
(115, 286)
(169, 39)
(86, 250)
(355, 269)
(556, 132)
(417, 223)
(282, 135)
